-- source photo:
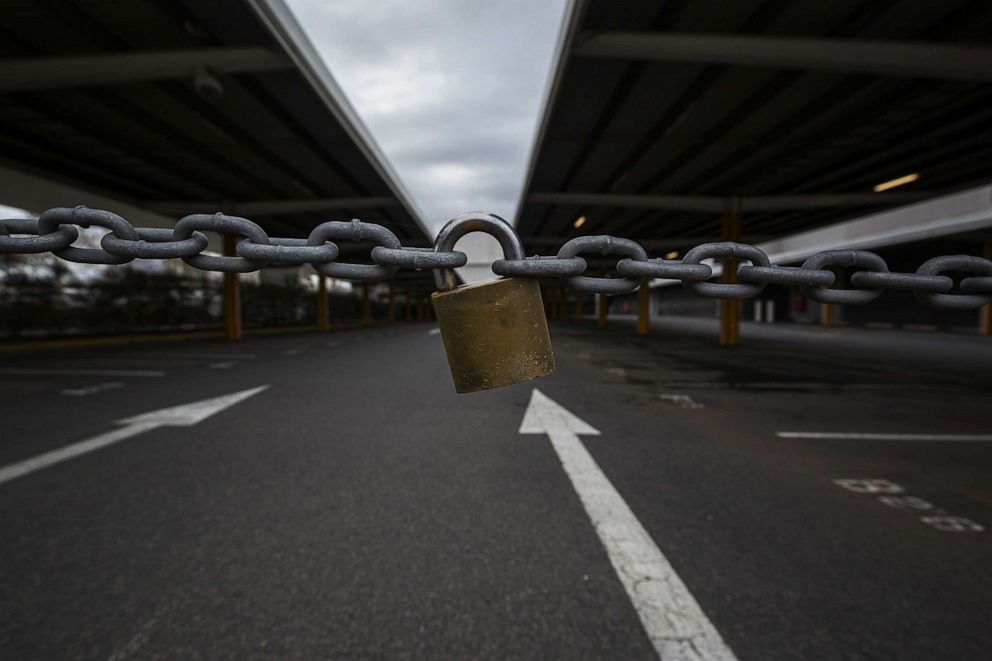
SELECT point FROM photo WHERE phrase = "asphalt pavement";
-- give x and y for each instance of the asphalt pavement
(820, 494)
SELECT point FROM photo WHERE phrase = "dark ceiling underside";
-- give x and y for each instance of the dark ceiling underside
(268, 137)
(649, 127)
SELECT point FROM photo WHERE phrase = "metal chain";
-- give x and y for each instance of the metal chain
(866, 273)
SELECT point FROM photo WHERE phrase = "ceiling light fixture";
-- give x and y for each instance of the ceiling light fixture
(579, 222)
(672, 255)
(886, 185)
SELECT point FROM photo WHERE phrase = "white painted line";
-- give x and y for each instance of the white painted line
(185, 415)
(434, 331)
(198, 356)
(222, 366)
(292, 352)
(885, 437)
(672, 618)
(682, 401)
(92, 390)
(17, 371)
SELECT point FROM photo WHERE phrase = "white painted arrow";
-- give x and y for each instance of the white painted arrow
(184, 415)
(674, 622)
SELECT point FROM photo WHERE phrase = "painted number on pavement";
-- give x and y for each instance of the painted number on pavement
(929, 513)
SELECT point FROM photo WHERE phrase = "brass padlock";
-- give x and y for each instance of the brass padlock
(495, 332)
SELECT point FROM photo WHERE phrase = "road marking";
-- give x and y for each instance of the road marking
(292, 352)
(18, 371)
(682, 401)
(92, 390)
(197, 356)
(885, 437)
(672, 618)
(227, 364)
(434, 331)
(936, 517)
(184, 415)
(868, 485)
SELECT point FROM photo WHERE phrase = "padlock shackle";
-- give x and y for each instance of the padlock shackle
(456, 228)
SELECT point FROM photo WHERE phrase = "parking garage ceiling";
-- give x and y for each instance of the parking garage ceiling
(660, 114)
(188, 106)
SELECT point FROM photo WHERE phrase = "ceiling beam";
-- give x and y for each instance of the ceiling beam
(912, 59)
(648, 244)
(271, 207)
(46, 73)
(712, 204)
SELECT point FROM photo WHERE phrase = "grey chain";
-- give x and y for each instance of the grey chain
(867, 274)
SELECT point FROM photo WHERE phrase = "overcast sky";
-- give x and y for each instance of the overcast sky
(450, 89)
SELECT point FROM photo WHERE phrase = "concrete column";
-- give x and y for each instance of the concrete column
(985, 314)
(392, 302)
(730, 309)
(232, 294)
(366, 306)
(643, 308)
(322, 321)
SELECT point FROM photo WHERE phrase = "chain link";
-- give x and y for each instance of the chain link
(867, 274)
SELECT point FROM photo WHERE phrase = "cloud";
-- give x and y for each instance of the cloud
(450, 89)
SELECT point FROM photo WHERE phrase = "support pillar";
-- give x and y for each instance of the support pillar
(562, 302)
(322, 320)
(578, 305)
(826, 314)
(730, 309)
(603, 305)
(232, 295)
(366, 306)
(392, 302)
(985, 314)
(409, 306)
(643, 308)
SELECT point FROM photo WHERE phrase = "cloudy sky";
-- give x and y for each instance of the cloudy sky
(450, 89)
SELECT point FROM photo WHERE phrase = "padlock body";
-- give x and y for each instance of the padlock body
(495, 333)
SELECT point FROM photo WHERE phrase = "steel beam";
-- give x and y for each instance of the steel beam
(709, 204)
(908, 59)
(270, 207)
(48, 73)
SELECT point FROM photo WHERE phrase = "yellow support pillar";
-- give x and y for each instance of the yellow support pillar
(985, 314)
(643, 308)
(232, 295)
(322, 319)
(392, 302)
(366, 306)
(730, 309)
(603, 305)
(826, 314)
